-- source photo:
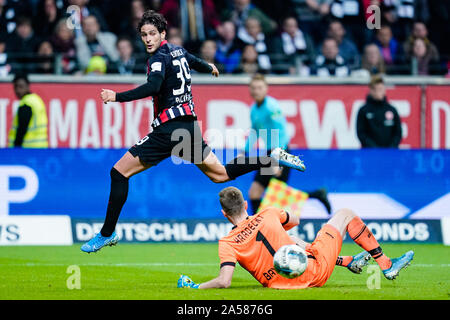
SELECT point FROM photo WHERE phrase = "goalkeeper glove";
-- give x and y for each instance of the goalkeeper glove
(186, 282)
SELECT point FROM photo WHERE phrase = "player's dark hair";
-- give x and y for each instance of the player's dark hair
(376, 79)
(154, 18)
(231, 200)
(21, 76)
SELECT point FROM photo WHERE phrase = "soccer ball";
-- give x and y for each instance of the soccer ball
(290, 261)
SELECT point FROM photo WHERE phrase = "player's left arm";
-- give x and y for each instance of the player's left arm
(201, 65)
(288, 220)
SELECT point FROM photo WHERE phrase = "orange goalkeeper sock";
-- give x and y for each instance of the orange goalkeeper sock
(343, 260)
(359, 232)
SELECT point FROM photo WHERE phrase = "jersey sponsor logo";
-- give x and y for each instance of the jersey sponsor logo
(248, 230)
(156, 66)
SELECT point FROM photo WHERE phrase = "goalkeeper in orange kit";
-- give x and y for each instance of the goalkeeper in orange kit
(254, 240)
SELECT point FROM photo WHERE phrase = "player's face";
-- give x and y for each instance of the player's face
(258, 90)
(151, 37)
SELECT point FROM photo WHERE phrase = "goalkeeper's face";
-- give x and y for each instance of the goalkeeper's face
(151, 37)
(258, 90)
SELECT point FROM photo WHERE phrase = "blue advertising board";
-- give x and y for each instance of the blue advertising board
(211, 230)
(377, 184)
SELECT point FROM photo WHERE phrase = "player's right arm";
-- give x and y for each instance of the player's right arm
(222, 281)
(148, 89)
(155, 79)
(228, 261)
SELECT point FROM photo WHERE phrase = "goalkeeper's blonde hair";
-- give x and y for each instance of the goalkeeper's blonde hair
(232, 201)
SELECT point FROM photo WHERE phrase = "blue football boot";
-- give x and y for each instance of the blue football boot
(359, 261)
(286, 159)
(186, 282)
(99, 241)
(398, 264)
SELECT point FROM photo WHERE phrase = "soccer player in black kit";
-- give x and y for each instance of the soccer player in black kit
(174, 125)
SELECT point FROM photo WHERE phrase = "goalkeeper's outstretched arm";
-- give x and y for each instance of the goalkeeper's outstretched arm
(222, 281)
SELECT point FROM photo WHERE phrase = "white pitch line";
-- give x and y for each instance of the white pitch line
(161, 264)
(94, 264)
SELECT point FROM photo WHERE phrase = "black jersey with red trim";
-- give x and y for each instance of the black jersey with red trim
(174, 99)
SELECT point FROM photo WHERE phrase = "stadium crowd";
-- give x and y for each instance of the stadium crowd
(298, 37)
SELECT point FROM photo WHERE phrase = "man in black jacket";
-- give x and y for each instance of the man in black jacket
(378, 123)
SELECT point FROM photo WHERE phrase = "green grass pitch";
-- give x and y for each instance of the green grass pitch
(150, 271)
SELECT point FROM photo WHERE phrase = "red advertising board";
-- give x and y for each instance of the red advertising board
(319, 116)
(437, 117)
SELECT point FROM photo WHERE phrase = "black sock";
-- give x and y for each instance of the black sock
(255, 203)
(117, 197)
(242, 165)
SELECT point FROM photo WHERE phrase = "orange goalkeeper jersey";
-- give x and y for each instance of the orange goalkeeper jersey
(254, 241)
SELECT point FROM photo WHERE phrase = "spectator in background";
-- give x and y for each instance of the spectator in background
(96, 66)
(93, 42)
(229, 48)
(85, 10)
(129, 26)
(197, 20)
(243, 9)
(420, 31)
(347, 48)
(22, 45)
(350, 13)
(47, 17)
(249, 62)
(439, 25)
(127, 63)
(174, 36)
(29, 126)
(208, 53)
(10, 11)
(311, 15)
(400, 15)
(256, 37)
(421, 58)
(63, 41)
(391, 50)
(378, 123)
(372, 61)
(45, 58)
(5, 68)
(293, 44)
(330, 63)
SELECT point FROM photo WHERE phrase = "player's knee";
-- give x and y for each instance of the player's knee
(346, 214)
(255, 193)
(116, 175)
(219, 178)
